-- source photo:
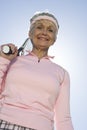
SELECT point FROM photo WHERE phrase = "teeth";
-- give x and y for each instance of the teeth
(43, 39)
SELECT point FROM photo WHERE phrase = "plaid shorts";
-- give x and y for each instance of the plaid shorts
(4, 125)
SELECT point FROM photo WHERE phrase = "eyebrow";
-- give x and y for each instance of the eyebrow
(40, 23)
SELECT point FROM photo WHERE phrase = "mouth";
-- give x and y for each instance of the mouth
(43, 38)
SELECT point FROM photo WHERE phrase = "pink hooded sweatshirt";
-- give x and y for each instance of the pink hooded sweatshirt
(35, 94)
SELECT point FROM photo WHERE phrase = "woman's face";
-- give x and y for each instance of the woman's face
(43, 34)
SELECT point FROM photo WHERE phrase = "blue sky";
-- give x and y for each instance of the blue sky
(69, 49)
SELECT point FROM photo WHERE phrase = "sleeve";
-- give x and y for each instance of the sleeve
(62, 106)
(3, 69)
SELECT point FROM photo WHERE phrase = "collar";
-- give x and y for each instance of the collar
(45, 57)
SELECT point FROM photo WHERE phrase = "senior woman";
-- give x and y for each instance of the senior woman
(34, 91)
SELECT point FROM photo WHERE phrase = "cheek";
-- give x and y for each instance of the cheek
(54, 38)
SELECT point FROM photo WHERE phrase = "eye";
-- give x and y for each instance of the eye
(39, 27)
(50, 30)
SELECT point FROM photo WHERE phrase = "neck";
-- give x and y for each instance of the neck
(40, 53)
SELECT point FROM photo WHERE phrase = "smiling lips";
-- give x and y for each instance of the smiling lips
(43, 38)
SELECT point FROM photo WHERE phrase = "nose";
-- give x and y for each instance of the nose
(44, 31)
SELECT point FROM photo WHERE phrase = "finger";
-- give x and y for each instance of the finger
(13, 48)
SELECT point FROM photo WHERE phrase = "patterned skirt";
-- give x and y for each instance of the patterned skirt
(4, 125)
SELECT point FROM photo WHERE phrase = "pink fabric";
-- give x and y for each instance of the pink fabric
(34, 93)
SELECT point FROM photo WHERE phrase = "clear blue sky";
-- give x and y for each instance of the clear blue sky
(70, 48)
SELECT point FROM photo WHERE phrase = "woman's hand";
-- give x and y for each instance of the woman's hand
(13, 54)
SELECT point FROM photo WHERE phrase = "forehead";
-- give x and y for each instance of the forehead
(45, 22)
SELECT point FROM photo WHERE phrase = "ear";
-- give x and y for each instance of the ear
(55, 38)
(29, 34)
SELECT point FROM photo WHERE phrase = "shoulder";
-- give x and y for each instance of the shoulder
(60, 71)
